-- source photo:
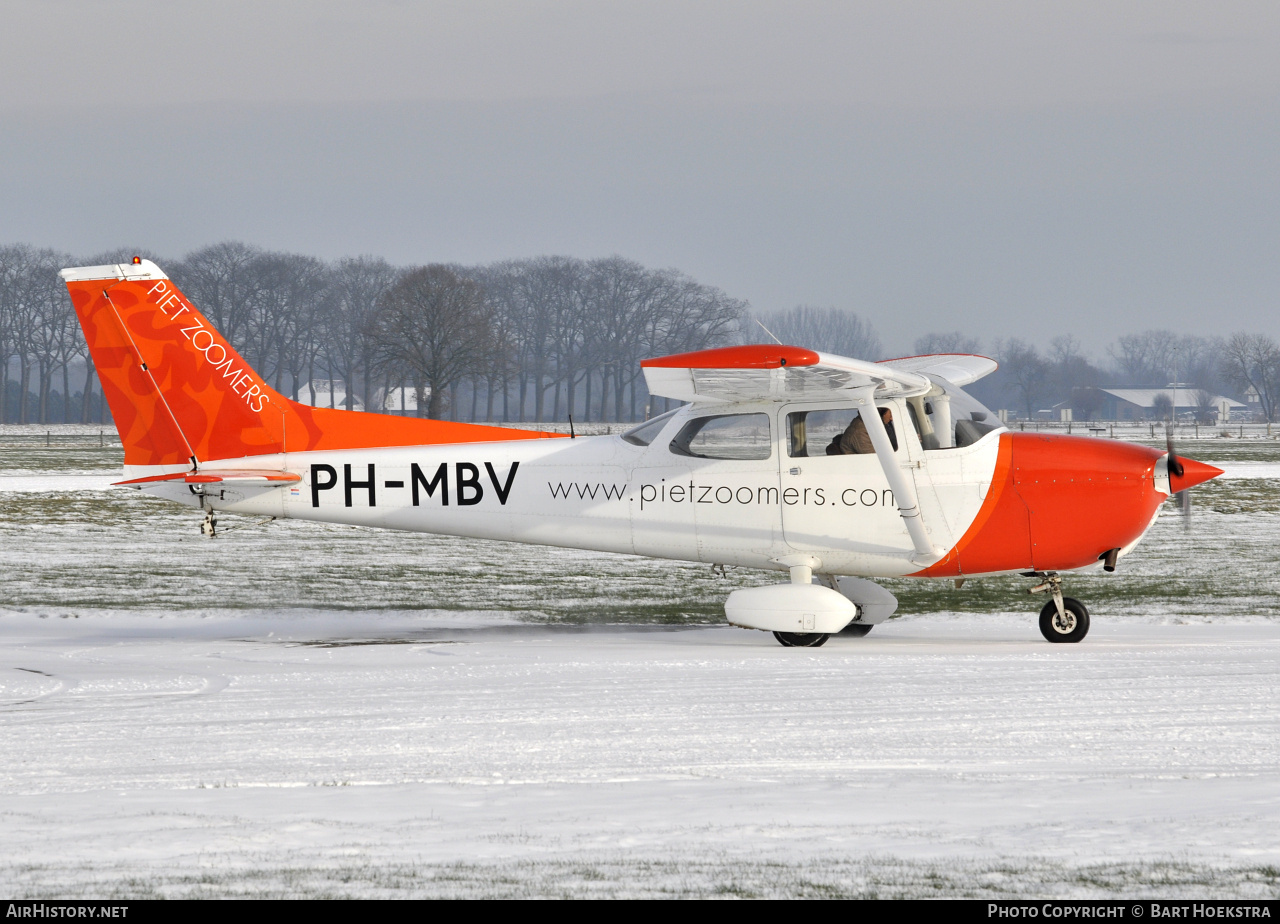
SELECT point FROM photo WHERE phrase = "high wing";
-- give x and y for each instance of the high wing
(772, 372)
(956, 368)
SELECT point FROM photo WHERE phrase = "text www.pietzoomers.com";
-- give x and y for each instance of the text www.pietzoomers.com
(743, 495)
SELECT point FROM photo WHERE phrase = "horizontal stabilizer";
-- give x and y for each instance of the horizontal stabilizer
(957, 368)
(209, 476)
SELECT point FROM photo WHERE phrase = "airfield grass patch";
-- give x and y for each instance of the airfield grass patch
(631, 877)
(74, 552)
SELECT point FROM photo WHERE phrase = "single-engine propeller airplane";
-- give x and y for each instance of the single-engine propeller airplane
(832, 469)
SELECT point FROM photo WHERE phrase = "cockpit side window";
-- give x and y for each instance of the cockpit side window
(727, 436)
(833, 432)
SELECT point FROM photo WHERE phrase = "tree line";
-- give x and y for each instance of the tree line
(530, 340)
(1236, 366)
(518, 340)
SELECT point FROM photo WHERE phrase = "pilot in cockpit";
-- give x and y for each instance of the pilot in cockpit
(856, 440)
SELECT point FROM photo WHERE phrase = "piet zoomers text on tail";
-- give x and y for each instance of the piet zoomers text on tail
(830, 469)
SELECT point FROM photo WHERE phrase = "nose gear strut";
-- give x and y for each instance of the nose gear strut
(1063, 619)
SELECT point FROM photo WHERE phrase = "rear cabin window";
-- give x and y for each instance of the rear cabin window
(743, 437)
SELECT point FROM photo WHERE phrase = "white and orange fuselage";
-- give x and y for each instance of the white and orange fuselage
(200, 427)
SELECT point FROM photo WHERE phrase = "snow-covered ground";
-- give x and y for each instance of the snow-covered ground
(297, 709)
(350, 754)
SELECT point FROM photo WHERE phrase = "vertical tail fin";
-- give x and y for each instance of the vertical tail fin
(181, 395)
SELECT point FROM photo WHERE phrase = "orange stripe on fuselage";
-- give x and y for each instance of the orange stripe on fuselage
(999, 534)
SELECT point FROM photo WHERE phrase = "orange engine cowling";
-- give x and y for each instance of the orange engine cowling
(1083, 496)
(1060, 502)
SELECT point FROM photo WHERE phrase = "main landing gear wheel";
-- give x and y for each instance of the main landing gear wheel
(1071, 626)
(856, 629)
(801, 639)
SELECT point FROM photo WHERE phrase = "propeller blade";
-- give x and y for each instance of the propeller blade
(1184, 503)
(1175, 464)
(1185, 474)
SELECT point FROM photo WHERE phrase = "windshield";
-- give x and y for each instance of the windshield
(648, 431)
(948, 418)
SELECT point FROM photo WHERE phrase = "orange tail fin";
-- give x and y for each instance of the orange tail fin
(182, 396)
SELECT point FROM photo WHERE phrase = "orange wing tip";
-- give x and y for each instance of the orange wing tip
(757, 356)
(216, 477)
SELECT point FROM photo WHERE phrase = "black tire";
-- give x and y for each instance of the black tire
(1072, 628)
(801, 639)
(856, 630)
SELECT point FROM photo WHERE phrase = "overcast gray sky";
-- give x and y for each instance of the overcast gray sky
(1006, 168)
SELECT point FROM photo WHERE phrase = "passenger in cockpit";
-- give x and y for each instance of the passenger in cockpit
(855, 439)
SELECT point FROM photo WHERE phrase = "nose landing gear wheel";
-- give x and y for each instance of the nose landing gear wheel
(1071, 626)
(801, 639)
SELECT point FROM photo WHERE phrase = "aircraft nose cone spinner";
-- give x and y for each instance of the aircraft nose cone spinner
(1193, 473)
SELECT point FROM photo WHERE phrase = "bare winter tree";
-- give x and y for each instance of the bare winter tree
(1206, 411)
(541, 286)
(1024, 371)
(33, 332)
(622, 295)
(1252, 362)
(1144, 359)
(570, 331)
(287, 299)
(55, 333)
(946, 342)
(223, 282)
(13, 262)
(503, 292)
(1153, 358)
(433, 328)
(832, 330)
(683, 315)
(1070, 373)
(357, 285)
(571, 340)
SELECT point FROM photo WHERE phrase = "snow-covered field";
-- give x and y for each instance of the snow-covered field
(307, 710)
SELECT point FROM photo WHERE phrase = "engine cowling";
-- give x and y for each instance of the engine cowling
(799, 608)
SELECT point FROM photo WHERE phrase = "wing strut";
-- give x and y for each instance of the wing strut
(903, 490)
